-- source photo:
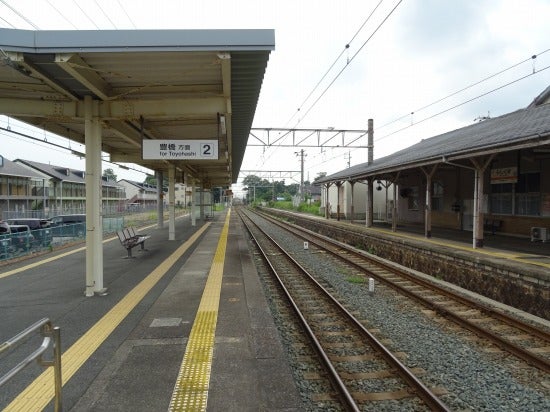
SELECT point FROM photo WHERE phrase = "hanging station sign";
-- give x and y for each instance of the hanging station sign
(504, 175)
(180, 149)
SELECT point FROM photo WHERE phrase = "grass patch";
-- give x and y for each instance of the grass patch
(356, 279)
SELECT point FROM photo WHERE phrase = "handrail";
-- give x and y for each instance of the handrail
(50, 334)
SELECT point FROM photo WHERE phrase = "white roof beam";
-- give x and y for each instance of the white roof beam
(182, 108)
(84, 74)
(19, 62)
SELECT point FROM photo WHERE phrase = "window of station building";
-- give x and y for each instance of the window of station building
(527, 194)
(437, 195)
(522, 198)
(413, 198)
(501, 198)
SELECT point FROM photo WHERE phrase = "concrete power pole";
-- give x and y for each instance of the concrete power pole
(301, 190)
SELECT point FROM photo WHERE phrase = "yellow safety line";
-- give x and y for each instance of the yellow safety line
(503, 255)
(47, 260)
(61, 255)
(191, 389)
(40, 392)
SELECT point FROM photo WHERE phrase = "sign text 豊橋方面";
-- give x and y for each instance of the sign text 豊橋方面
(180, 149)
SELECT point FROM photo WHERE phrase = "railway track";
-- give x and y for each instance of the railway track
(360, 367)
(527, 342)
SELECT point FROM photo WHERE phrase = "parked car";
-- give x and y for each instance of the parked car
(68, 225)
(5, 240)
(21, 237)
(40, 228)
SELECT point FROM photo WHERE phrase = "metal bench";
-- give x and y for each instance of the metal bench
(130, 239)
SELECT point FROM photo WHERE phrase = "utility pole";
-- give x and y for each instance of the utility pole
(302, 155)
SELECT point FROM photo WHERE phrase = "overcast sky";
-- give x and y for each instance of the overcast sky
(398, 62)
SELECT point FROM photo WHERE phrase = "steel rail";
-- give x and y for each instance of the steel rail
(524, 354)
(419, 388)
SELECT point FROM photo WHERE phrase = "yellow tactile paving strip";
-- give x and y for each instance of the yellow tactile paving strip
(191, 389)
(40, 392)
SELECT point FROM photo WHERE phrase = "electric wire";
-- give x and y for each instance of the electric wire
(464, 102)
(464, 89)
(61, 14)
(332, 158)
(19, 14)
(105, 14)
(85, 14)
(261, 159)
(334, 62)
(352, 58)
(127, 15)
(44, 143)
(7, 22)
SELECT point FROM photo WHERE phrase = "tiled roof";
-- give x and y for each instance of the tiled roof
(525, 125)
(10, 168)
(57, 172)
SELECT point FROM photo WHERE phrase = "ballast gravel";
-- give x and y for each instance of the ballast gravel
(474, 380)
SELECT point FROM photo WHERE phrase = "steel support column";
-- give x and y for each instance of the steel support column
(94, 223)
(172, 203)
(160, 203)
(193, 205)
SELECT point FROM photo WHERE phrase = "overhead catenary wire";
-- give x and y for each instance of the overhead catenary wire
(105, 14)
(463, 103)
(127, 15)
(62, 15)
(8, 132)
(347, 63)
(464, 88)
(346, 47)
(350, 60)
(7, 22)
(332, 158)
(85, 14)
(19, 14)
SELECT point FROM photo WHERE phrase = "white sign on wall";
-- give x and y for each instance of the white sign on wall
(504, 175)
(180, 149)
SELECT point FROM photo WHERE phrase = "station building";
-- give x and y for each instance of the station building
(491, 176)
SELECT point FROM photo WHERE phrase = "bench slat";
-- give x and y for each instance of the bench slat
(129, 239)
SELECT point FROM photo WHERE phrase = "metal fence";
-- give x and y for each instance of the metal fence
(50, 334)
(19, 244)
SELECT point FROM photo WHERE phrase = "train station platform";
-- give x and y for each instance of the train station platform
(184, 326)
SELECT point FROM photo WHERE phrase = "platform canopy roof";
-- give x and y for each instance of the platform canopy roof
(150, 84)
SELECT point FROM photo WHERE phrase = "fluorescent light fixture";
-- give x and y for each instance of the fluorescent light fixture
(222, 124)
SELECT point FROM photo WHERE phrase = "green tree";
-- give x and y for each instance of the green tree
(320, 175)
(110, 175)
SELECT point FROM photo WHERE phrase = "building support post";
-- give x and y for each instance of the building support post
(193, 205)
(160, 202)
(428, 201)
(201, 202)
(172, 203)
(94, 223)
(338, 186)
(395, 204)
(327, 204)
(480, 168)
(369, 211)
(352, 209)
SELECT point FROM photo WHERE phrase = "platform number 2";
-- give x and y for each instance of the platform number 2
(207, 150)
